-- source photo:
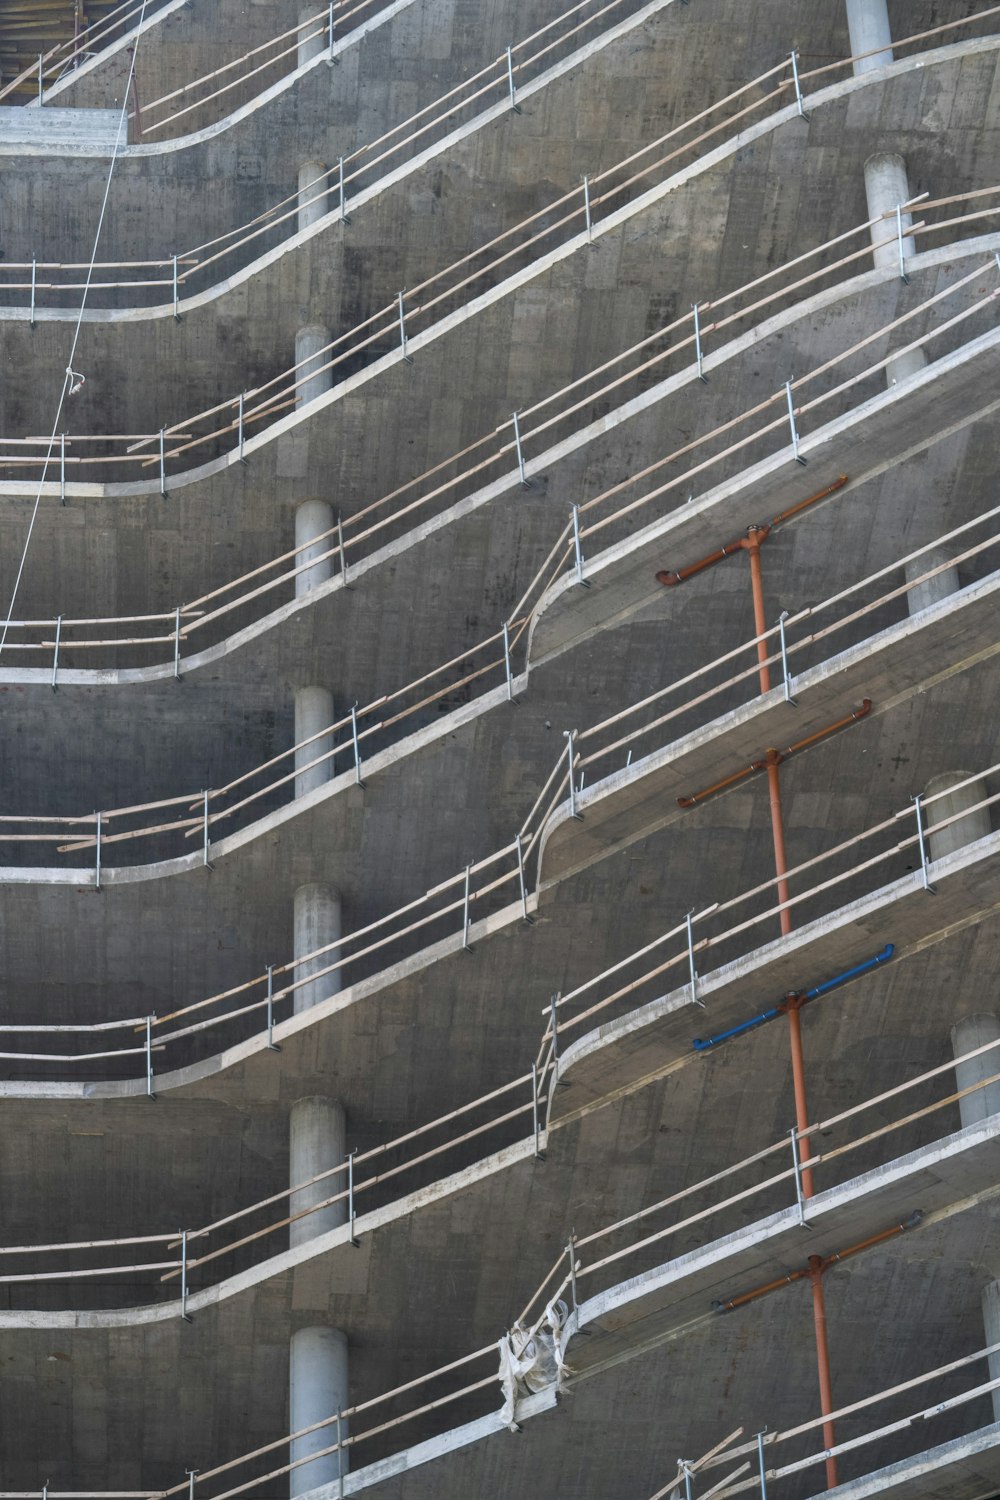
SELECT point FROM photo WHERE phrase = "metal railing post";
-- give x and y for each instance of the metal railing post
(578, 548)
(62, 468)
(899, 239)
(344, 216)
(510, 81)
(791, 422)
(184, 1287)
(351, 1215)
(554, 1013)
(570, 753)
(191, 1475)
(357, 750)
(786, 679)
(571, 1253)
(800, 1201)
(41, 83)
(402, 331)
(330, 27)
(760, 1464)
(465, 911)
(343, 554)
(239, 428)
(525, 481)
(149, 1057)
(692, 967)
(535, 1113)
(798, 86)
(922, 845)
(588, 219)
(340, 1451)
(685, 1469)
(506, 662)
(521, 882)
(55, 657)
(177, 314)
(177, 643)
(34, 280)
(97, 848)
(699, 353)
(272, 1044)
(163, 462)
(204, 848)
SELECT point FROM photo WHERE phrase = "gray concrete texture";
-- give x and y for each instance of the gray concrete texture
(133, 1406)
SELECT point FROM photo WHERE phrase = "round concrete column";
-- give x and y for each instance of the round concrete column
(312, 192)
(314, 518)
(318, 42)
(317, 1141)
(886, 186)
(868, 24)
(317, 922)
(313, 712)
(933, 589)
(965, 830)
(966, 1036)
(991, 1328)
(308, 344)
(317, 1389)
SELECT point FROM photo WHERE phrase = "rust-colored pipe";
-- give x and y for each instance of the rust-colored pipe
(816, 1268)
(670, 579)
(757, 1292)
(755, 538)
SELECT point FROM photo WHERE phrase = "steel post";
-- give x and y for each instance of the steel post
(791, 422)
(270, 1010)
(55, 654)
(204, 849)
(34, 279)
(760, 1464)
(97, 849)
(699, 355)
(41, 84)
(798, 86)
(692, 968)
(570, 756)
(899, 239)
(184, 1280)
(177, 315)
(62, 468)
(357, 750)
(786, 679)
(239, 427)
(510, 82)
(402, 330)
(525, 482)
(521, 881)
(571, 1253)
(344, 218)
(577, 548)
(586, 210)
(465, 911)
(922, 845)
(163, 462)
(506, 662)
(191, 1476)
(350, 1192)
(177, 643)
(330, 28)
(797, 1168)
(149, 1057)
(340, 548)
(554, 1011)
(535, 1120)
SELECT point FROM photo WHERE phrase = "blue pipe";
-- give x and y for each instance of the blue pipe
(845, 977)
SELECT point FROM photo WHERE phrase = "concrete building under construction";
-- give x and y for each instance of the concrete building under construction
(499, 659)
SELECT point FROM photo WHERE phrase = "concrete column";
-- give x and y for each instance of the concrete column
(313, 712)
(308, 343)
(317, 1141)
(318, 1388)
(991, 1328)
(314, 518)
(966, 1035)
(933, 589)
(318, 43)
(317, 922)
(965, 830)
(312, 192)
(868, 24)
(317, 1364)
(886, 186)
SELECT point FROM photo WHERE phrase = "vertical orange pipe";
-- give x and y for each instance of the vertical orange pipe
(816, 1269)
(755, 536)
